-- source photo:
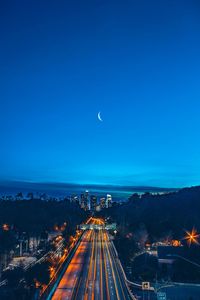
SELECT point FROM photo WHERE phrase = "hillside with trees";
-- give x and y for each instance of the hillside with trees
(148, 220)
(159, 215)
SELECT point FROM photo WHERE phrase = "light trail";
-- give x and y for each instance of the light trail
(101, 267)
(93, 273)
(105, 268)
(114, 264)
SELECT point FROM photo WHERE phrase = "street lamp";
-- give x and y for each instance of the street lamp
(5, 227)
(192, 237)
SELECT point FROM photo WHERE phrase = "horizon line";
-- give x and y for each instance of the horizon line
(2, 181)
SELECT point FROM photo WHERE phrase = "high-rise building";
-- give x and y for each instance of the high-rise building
(83, 202)
(93, 203)
(102, 202)
(108, 201)
(87, 199)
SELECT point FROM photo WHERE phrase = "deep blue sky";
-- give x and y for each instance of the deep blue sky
(138, 62)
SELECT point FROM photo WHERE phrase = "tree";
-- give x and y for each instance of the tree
(14, 276)
(39, 273)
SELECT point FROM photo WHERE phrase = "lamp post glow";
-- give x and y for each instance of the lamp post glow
(192, 237)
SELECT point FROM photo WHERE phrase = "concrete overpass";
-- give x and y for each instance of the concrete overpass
(112, 226)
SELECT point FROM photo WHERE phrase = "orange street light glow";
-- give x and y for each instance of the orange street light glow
(5, 227)
(192, 237)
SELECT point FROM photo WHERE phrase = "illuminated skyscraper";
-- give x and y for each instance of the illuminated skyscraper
(93, 203)
(108, 201)
(87, 199)
(103, 202)
(83, 202)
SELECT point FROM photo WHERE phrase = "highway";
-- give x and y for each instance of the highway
(93, 273)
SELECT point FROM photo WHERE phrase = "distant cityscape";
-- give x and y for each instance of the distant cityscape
(92, 202)
(87, 201)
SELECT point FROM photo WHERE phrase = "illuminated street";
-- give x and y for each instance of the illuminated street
(93, 272)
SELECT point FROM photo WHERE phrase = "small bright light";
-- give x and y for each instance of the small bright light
(192, 237)
(5, 227)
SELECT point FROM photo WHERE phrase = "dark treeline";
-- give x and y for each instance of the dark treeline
(25, 219)
(152, 218)
(160, 215)
(35, 216)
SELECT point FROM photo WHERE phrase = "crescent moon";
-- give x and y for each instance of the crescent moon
(99, 116)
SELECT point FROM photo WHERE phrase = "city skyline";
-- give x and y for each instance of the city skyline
(135, 63)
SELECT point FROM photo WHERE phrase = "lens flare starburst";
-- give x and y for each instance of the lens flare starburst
(192, 237)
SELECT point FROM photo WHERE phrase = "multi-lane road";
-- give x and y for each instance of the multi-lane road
(94, 272)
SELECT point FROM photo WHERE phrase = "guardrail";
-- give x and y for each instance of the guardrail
(128, 282)
(122, 270)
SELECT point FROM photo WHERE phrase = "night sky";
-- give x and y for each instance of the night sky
(138, 62)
